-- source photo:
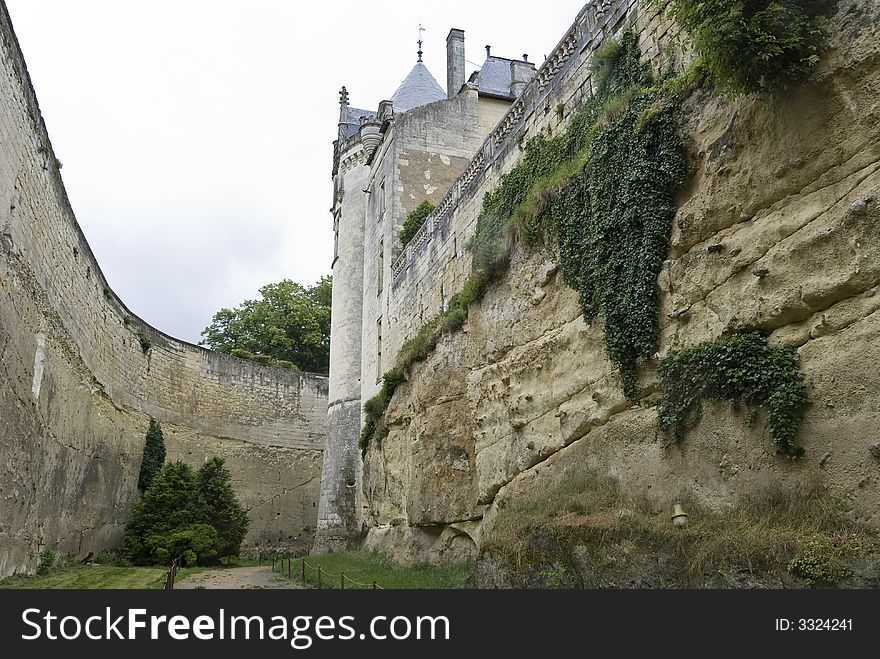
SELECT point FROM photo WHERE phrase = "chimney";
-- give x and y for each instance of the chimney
(454, 62)
(520, 74)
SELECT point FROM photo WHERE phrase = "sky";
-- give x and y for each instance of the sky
(196, 135)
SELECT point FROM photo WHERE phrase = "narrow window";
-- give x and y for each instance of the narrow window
(382, 200)
(380, 275)
(378, 351)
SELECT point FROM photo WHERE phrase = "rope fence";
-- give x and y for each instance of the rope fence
(322, 578)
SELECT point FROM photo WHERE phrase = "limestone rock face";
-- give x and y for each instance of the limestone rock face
(776, 230)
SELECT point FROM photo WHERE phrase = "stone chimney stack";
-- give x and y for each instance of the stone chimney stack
(454, 62)
(520, 74)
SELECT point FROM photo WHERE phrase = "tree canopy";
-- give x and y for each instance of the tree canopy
(288, 326)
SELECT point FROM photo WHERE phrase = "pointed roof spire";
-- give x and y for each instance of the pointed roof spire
(418, 88)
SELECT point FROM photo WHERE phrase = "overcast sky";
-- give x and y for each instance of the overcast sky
(196, 135)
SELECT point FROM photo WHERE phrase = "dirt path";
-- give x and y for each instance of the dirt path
(237, 577)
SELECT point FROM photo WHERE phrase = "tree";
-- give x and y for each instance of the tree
(188, 513)
(154, 455)
(414, 222)
(220, 507)
(167, 507)
(288, 326)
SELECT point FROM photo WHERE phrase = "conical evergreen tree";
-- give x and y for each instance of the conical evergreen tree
(154, 455)
(220, 507)
(167, 507)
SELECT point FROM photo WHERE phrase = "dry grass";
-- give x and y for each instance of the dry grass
(761, 534)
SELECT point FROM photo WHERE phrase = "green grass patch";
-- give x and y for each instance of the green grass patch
(91, 577)
(367, 567)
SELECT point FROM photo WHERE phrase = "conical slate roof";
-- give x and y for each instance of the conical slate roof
(418, 88)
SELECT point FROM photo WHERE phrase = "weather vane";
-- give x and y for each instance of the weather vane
(421, 29)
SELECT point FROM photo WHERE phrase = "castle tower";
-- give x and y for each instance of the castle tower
(338, 518)
(385, 164)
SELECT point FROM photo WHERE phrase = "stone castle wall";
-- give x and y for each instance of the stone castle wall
(77, 389)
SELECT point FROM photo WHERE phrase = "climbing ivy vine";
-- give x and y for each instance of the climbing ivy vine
(605, 189)
(742, 368)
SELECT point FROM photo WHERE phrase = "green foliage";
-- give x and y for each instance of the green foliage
(414, 222)
(186, 513)
(154, 455)
(289, 323)
(47, 561)
(822, 559)
(222, 511)
(604, 188)
(613, 226)
(753, 45)
(741, 368)
(374, 409)
(144, 340)
(197, 543)
(363, 568)
(616, 67)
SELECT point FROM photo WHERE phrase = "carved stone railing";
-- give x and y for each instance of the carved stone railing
(587, 30)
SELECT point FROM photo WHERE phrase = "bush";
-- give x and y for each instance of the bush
(221, 509)
(198, 543)
(47, 561)
(822, 560)
(154, 455)
(186, 511)
(752, 45)
(414, 222)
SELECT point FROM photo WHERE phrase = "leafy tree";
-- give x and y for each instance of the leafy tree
(154, 455)
(414, 222)
(289, 326)
(220, 507)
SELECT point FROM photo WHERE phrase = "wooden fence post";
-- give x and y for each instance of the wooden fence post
(288, 567)
(319, 577)
(304, 571)
(342, 581)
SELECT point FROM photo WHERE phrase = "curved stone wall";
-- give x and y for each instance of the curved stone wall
(77, 387)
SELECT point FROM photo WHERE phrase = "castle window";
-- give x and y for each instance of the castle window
(381, 213)
(380, 274)
(378, 351)
(335, 237)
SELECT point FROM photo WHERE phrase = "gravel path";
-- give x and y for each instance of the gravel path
(237, 577)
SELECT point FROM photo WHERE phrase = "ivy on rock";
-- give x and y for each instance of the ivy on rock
(741, 368)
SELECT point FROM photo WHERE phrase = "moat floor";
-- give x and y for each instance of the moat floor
(237, 577)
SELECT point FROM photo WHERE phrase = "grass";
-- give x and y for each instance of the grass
(90, 577)
(367, 567)
(762, 534)
(96, 577)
